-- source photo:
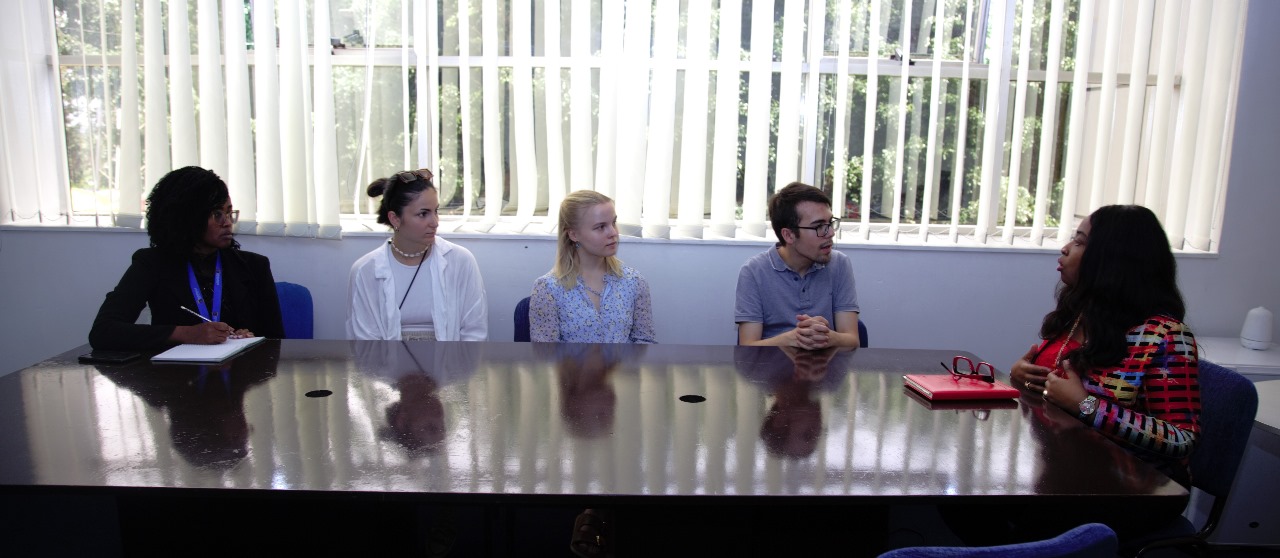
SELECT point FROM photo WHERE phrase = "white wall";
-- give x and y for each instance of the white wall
(986, 302)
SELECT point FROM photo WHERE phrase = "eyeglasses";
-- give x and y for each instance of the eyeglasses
(218, 215)
(825, 228)
(976, 372)
(410, 176)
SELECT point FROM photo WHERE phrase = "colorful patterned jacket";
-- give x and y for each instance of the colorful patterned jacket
(1151, 401)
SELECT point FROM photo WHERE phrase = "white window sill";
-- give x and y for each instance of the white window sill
(879, 238)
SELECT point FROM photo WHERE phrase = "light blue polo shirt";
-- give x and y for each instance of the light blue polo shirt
(769, 293)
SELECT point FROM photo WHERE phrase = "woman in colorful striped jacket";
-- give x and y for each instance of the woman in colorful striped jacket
(1115, 351)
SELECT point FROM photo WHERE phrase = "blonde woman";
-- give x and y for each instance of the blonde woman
(589, 296)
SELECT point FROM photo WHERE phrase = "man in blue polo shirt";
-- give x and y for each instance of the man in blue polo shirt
(800, 292)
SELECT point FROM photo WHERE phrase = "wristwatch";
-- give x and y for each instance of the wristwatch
(1088, 407)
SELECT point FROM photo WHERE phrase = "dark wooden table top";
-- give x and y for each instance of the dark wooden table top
(520, 421)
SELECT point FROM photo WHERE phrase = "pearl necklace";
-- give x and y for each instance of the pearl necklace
(405, 255)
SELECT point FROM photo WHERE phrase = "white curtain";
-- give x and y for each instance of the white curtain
(996, 122)
(943, 152)
(31, 174)
(159, 121)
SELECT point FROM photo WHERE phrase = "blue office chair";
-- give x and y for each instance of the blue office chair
(522, 320)
(1228, 405)
(296, 310)
(1091, 540)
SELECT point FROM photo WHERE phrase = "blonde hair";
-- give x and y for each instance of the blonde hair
(567, 267)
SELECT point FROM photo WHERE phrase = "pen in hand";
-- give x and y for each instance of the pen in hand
(196, 314)
(199, 315)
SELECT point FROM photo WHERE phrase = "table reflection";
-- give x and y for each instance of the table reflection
(417, 372)
(508, 418)
(204, 404)
(1059, 437)
(587, 399)
(793, 378)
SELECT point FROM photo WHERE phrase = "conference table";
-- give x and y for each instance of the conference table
(323, 442)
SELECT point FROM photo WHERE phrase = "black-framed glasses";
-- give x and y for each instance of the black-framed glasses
(218, 215)
(410, 176)
(980, 371)
(825, 228)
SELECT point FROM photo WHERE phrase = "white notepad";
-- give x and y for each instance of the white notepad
(207, 353)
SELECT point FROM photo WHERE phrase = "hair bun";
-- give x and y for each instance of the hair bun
(377, 188)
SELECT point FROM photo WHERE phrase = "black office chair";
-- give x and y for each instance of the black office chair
(1090, 540)
(522, 320)
(862, 334)
(1228, 405)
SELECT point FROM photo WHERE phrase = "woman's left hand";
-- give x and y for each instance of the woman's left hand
(1065, 392)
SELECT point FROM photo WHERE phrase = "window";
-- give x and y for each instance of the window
(688, 113)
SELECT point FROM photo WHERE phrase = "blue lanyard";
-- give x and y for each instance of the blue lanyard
(217, 290)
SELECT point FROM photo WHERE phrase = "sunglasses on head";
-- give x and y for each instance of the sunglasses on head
(410, 176)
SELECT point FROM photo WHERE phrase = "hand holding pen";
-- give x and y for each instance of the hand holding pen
(207, 333)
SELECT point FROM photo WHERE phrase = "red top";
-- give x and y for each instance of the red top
(1151, 400)
(1049, 351)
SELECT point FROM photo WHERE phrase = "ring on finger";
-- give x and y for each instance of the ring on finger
(1046, 394)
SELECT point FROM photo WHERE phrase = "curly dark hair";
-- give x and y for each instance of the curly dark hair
(398, 190)
(1127, 274)
(178, 208)
(782, 206)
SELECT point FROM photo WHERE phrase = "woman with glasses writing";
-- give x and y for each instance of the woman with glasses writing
(201, 288)
(589, 296)
(416, 286)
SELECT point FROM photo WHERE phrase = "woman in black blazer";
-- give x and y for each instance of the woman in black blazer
(195, 263)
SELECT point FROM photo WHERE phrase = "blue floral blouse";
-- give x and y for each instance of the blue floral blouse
(569, 316)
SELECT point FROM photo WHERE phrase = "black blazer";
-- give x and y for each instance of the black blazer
(159, 280)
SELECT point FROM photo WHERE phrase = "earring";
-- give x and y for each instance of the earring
(577, 245)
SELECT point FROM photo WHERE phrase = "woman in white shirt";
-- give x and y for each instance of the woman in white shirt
(417, 286)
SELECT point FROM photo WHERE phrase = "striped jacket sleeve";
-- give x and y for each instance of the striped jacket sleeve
(1151, 402)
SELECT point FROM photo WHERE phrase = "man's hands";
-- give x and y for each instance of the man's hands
(811, 332)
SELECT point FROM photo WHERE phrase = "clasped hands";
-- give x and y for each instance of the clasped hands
(1063, 388)
(811, 332)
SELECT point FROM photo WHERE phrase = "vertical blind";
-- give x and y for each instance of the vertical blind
(969, 122)
(687, 130)
(250, 115)
(32, 183)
